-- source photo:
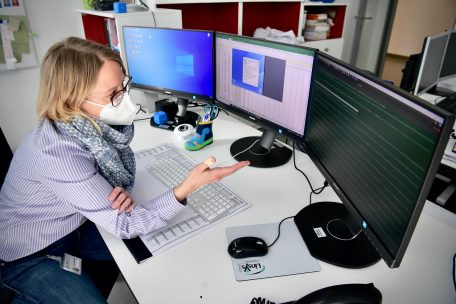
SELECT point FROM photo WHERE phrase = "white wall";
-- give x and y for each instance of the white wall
(52, 21)
(417, 19)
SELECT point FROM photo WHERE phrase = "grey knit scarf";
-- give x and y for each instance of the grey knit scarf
(111, 150)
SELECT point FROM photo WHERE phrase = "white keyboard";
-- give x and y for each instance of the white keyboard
(206, 206)
(210, 201)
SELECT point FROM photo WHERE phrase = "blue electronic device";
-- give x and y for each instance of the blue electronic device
(160, 117)
(120, 7)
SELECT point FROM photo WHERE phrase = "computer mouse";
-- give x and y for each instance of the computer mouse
(246, 247)
(343, 294)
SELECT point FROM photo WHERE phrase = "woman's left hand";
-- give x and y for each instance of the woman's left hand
(121, 199)
(202, 174)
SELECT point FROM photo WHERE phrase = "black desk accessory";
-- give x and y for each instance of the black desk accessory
(176, 115)
(338, 246)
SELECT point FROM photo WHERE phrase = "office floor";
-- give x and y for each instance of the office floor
(120, 293)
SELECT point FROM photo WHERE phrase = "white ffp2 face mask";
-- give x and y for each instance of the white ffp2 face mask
(121, 115)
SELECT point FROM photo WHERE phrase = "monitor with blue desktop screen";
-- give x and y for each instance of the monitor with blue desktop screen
(175, 62)
(267, 83)
(379, 148)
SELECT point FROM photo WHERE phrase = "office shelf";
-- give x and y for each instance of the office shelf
(244, 17)
(283, 16)
(217, 16)
(110, 14)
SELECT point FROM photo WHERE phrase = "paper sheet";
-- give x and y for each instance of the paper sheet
(251, 71)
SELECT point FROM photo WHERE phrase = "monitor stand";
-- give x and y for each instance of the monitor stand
(181, 117)
(325, 228)
(265, 153)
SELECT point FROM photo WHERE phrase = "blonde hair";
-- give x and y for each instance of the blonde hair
(69, 70)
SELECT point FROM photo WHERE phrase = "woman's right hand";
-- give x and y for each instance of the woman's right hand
(121, 199)
(202, 174)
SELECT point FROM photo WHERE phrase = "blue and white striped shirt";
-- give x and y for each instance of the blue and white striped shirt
(52, 187)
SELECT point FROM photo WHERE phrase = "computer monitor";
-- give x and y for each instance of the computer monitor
(175, 62)
(449, 61)
(379, 148)
(431, 62)
(268, 83)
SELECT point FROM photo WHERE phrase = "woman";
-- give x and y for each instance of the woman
(75, 169)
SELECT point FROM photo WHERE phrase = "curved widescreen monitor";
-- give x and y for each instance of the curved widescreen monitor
(266, 82)
(175, 62)
(379, 148)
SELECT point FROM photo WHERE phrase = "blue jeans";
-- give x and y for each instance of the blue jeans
(38, 279)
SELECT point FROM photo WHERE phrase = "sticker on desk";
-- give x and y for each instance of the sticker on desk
(251, 267)
(320, 232)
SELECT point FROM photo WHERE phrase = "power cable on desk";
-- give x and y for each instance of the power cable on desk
(320, 190)
(312, 190)
(278, 234)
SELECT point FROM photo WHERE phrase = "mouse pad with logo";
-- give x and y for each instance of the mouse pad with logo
(288, 256)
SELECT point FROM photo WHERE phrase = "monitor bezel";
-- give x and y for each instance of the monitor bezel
(391, 261)
(191, 96)
(256, 119)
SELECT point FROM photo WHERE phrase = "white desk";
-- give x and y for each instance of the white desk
(201, 267)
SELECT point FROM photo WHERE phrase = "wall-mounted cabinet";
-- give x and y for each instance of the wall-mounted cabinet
(244, 17)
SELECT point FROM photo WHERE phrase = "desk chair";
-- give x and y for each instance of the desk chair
(6, 156)
(104, 273)
(410, 72)
(6, 294)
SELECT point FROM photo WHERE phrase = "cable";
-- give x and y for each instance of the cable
(301, 147)
(234, 156)
(143, 4)
(278, 234)
(313, 191)
(320, 190)
(225, 111)
(140, 109)
(153, 14)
